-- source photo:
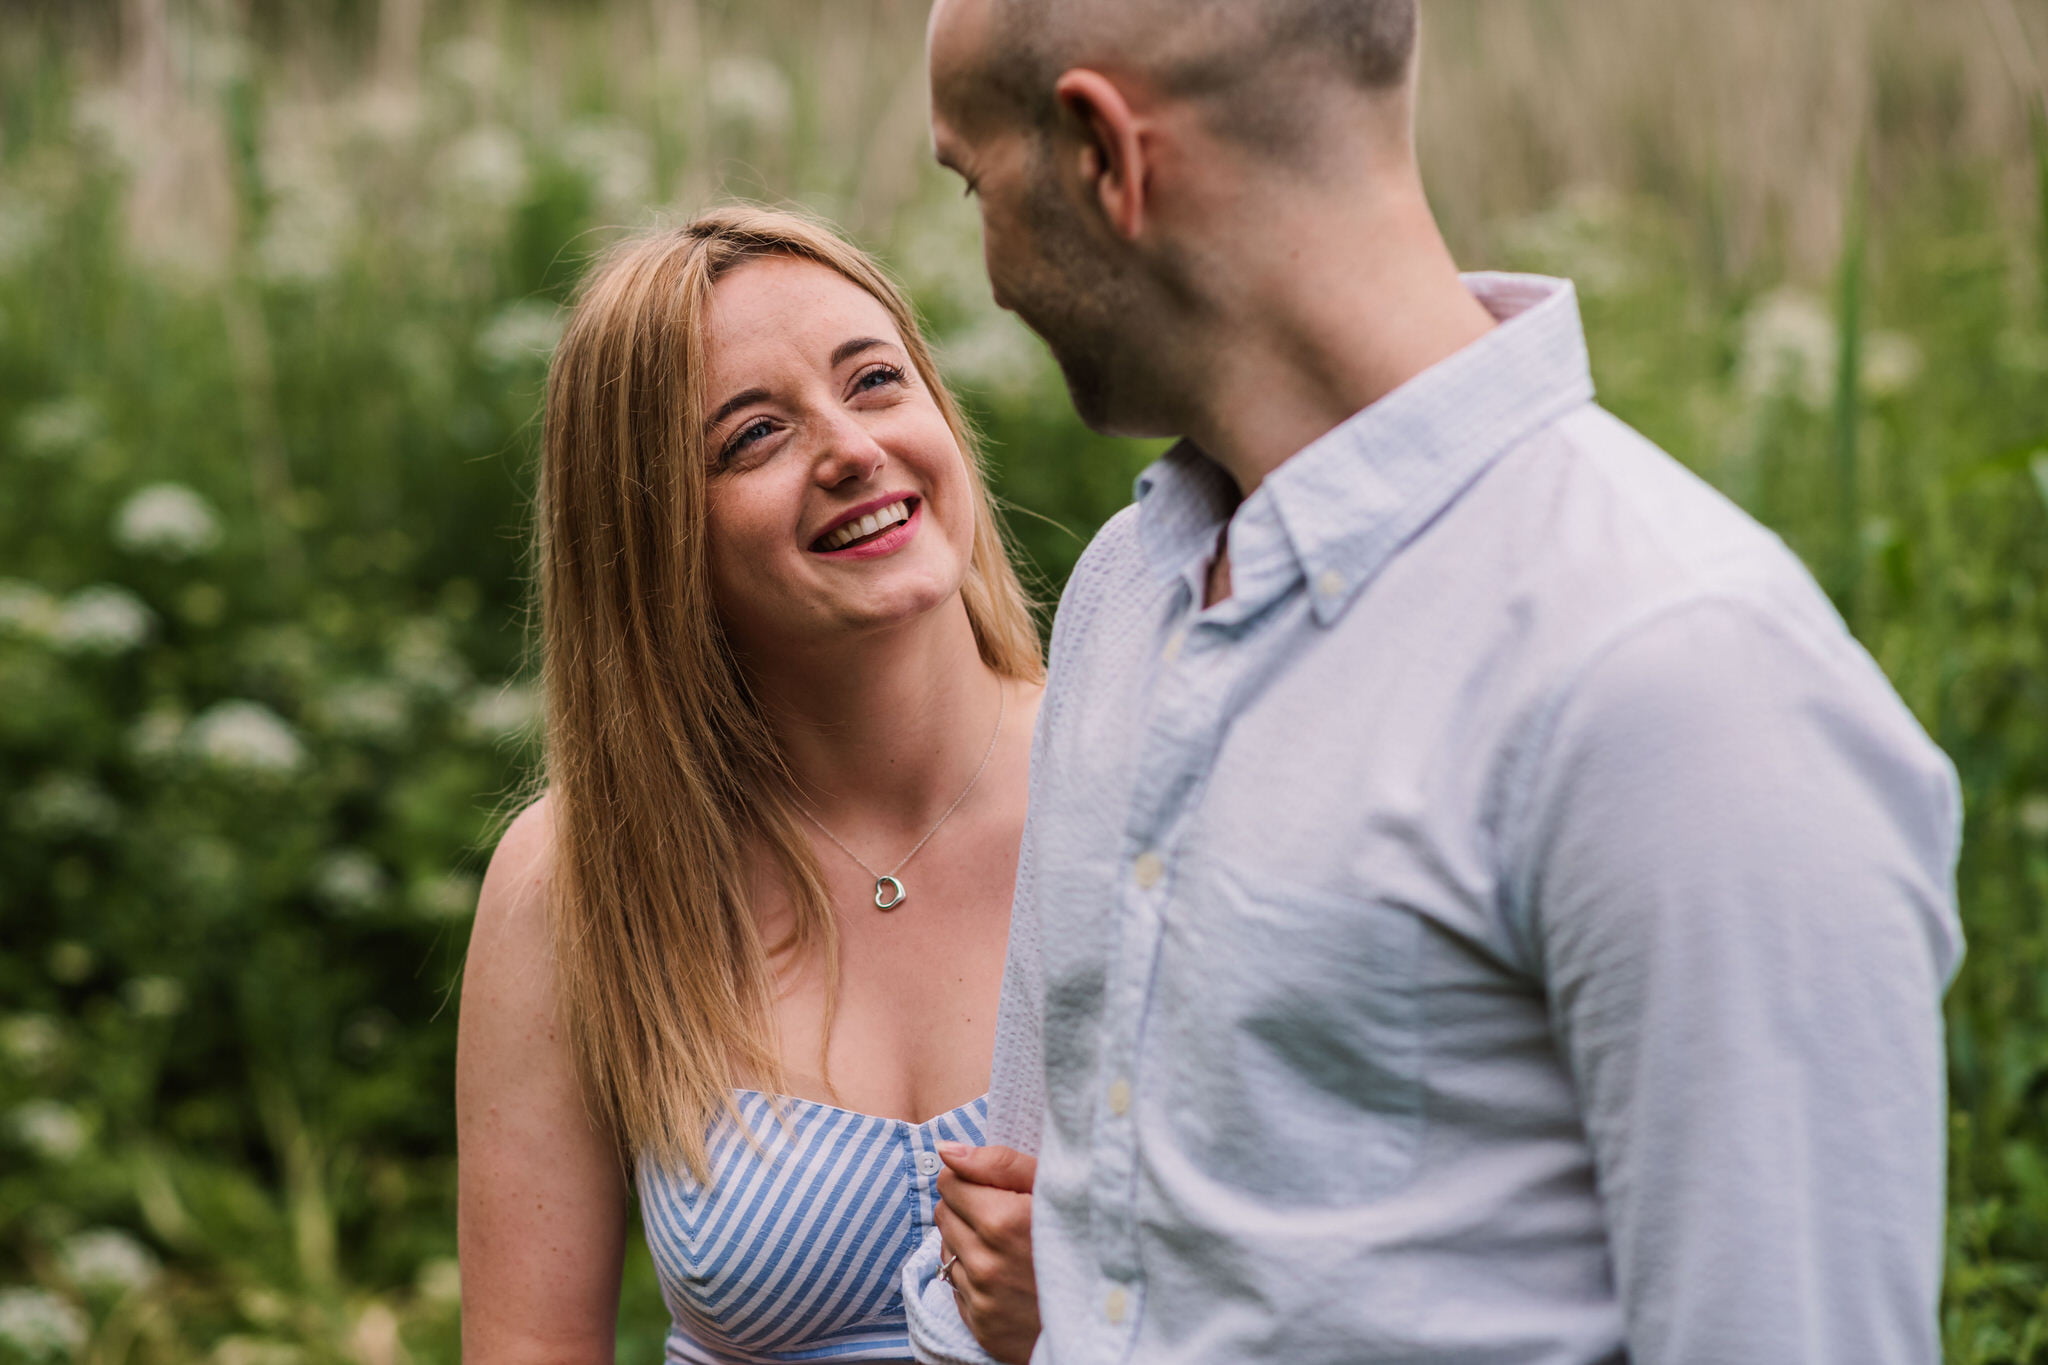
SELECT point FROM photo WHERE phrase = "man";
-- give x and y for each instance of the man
(1478, 903)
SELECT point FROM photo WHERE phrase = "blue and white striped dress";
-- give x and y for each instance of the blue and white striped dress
(795, 1250)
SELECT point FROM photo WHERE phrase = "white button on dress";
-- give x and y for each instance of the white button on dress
(928, 1163)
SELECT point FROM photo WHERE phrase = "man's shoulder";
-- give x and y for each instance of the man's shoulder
(1112, 563)
(1606, 527)
(1113, 553)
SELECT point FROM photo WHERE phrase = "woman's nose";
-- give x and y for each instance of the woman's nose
(849, 452)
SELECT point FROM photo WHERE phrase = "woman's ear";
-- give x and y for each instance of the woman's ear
(1110, 147)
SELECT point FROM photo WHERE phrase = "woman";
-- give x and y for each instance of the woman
(751, 937)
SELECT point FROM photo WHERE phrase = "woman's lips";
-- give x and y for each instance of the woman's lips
(886, 542)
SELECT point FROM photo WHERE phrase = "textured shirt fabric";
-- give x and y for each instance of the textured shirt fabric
(794, 1250)
(1509, 929)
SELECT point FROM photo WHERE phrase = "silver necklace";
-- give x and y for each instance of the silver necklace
(890, 892)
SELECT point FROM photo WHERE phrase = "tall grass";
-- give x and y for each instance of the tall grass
(277, 284)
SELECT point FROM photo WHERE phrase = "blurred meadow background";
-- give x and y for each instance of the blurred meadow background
(278, 283)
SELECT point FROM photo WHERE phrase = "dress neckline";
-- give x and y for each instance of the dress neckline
(861, 1114)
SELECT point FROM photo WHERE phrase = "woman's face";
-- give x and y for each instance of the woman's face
(838, 498)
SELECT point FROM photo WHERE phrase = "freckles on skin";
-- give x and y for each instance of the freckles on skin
(822, 431)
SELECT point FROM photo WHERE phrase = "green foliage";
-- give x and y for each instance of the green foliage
(262, 519)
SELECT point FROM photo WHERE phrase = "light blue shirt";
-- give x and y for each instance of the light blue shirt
(1510, 929)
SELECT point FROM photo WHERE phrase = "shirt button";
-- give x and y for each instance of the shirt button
(1115, 1305)
(1148, 869)
(1330, 583)
(1119, 1097)
(928, 1163)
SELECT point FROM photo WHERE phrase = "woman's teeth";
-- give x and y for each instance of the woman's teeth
(866, 526)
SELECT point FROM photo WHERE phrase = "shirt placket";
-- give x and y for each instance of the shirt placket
(1183, 729)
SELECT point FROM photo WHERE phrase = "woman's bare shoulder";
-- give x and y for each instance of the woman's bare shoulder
(515, 883)
(509, 944)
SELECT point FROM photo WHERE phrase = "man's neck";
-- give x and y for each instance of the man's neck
(1335, 315)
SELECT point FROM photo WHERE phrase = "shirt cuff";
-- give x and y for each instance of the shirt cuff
(937, 1336)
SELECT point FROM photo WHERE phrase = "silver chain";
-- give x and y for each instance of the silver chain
(1002, 704)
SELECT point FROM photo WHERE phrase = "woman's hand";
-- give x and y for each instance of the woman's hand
(985, 1231)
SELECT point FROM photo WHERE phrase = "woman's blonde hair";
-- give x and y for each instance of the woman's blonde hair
(664, 778)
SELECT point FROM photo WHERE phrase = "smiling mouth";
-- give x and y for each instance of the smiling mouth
(861, 530)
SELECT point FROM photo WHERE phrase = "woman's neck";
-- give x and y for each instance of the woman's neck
(882, 733)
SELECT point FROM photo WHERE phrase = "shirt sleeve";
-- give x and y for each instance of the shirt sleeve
(1739, 892)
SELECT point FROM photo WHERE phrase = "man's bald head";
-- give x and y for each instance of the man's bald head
(1259, 66)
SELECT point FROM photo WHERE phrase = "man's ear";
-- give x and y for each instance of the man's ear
(1111, 147)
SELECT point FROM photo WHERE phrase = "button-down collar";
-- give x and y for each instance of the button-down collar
(1335, 512)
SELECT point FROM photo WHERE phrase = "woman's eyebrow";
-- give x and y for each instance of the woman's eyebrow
(847, 350)
(734, 404)
(843, 352)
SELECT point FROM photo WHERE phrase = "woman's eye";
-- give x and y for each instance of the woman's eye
(747, 435)
(877, 377)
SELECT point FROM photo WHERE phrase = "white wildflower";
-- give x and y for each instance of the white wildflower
(617, 163)
(37, 1325)
(388, 114)
(264, 1306)
(26, 609)
(158, 735)
(30, 1040)
(996, 355)
(470, 62)
(498, 712)
(440, 1281)
(365, 709)
(350, 881)
(450, 896)
(102, 619)
(750, 92)
(246, 736)
(369, 1031)
(66, 803)
(519, 334)
(1789, 346)
(422, 657)
(486, 167)
(70, 962)
(2033, 816)
(307, 232)
(1891, 364)
(155, 997)
(168, 520)
(51, 1130)
(1582, 236)
(108, 1260)
(63, 426)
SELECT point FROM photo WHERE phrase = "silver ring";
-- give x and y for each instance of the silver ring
(946, 1264)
